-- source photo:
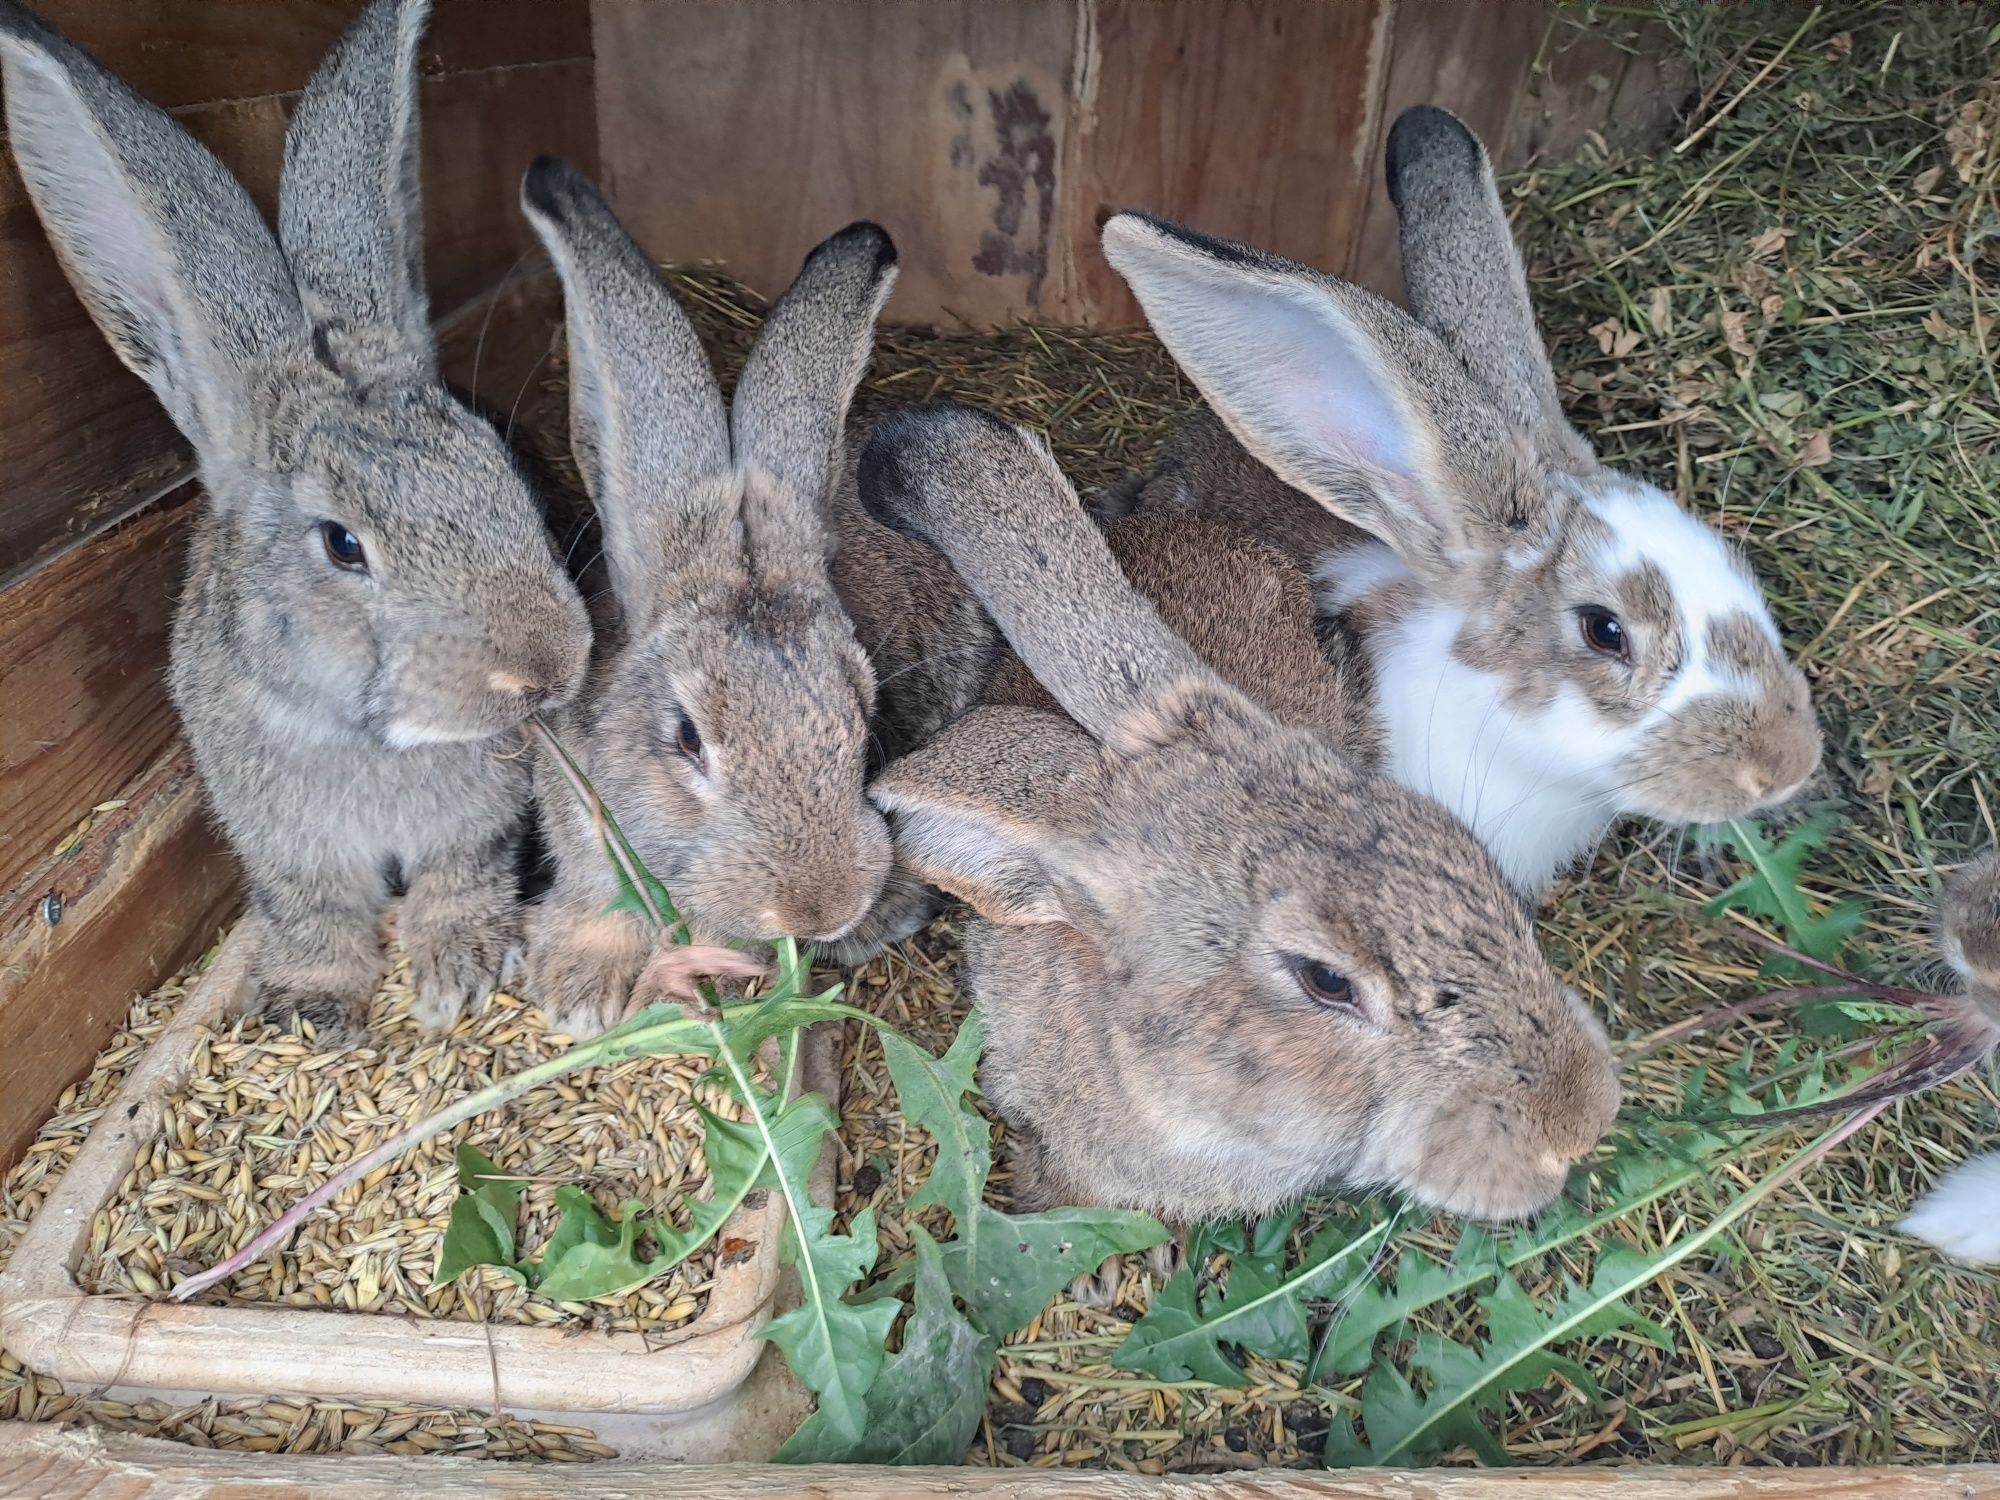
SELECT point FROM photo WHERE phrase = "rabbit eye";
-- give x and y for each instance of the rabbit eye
(1324, 985)
(1604, 633)
(343, 547)
(687, 739)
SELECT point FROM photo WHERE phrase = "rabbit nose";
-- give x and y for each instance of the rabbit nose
(511, 684)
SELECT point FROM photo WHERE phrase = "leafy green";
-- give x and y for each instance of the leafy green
(925, 1406)
(480, 1231)
(1772, 888)
(1002, 1269)
(1262, 1309)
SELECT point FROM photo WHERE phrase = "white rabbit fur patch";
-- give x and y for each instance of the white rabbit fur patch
(1961, 1215)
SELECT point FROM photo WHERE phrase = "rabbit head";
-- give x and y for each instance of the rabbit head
(727, 724)
(1220, 963)
(372, 556)
(1969, 929)
(1575, 619)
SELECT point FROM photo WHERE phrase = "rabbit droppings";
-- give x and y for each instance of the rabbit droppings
(373, 605)
(1220, 963)
(1553, 644)
(726, 720)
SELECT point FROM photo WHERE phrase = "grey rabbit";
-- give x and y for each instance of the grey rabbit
(373, 605)
(726, 723)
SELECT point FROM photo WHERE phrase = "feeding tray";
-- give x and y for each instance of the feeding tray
(689, 1382)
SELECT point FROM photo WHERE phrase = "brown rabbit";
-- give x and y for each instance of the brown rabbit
(1220, 962)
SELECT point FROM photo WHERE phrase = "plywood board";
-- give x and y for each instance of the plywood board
(144, 891)
(748, 133)
(1469, 59)
(1252, 120)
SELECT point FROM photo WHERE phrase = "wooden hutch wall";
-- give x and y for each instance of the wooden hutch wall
(989, 136)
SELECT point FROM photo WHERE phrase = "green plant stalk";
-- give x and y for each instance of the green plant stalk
(1651, 1270)
(678, 1034)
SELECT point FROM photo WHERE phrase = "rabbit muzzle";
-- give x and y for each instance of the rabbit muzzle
(814, 879)
(471, 686)
(1723, 755)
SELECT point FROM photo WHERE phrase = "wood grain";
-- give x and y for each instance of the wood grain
(1471, 60)
(748, 133)
(1250, 120)
(142, 893)
(86, 442)
(85, 643)
(51, 1463)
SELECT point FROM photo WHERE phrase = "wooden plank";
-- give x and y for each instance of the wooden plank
(181, 52)
(85, 642)
(1470, 59)
(47, 1462)
(86, 442)
(748, 133)
(1624, 79)
(142, 893)
(1250, 120)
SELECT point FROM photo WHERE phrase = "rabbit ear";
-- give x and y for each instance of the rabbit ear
(791, 403)
(350, 208)
(162, 244)
(1463, 277)
(991, 498)
(977, 810)
(646, 419)
(1328, 386)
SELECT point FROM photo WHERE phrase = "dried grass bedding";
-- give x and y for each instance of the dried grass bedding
(1789, 322)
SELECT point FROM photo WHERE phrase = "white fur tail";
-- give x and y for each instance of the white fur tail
(1961, 1215)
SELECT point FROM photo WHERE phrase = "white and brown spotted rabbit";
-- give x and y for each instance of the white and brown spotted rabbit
(1553, 643)
(372, 604)
(1220, 961)
(726, 723)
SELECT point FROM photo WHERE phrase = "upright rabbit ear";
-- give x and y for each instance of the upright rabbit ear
(1330, 387)
(791, 404)
(646, 418)
(978, 811)
(1462, 274)
(350, 205)
(162, 244)
(991, 499)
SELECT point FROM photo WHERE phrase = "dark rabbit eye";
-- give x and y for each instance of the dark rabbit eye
(688, 739)
(1603, 633)
(343, 547)
(1325, 986)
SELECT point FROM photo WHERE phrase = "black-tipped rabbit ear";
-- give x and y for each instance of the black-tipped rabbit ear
(991, 498)
(791, 404)
(1463, 277)
(977, 812)
(646, 418)
(165, 248)
(350, 203)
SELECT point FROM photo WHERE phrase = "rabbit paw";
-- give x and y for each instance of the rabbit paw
(1163, 1260)
(336, 1020)
(452, 968)
(580, 972)
(1099, 1290)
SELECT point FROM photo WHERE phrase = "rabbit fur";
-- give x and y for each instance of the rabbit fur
(372, 604)
(1163, 870)
(1960, 1215)
(1553, 643)
(726, 722)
